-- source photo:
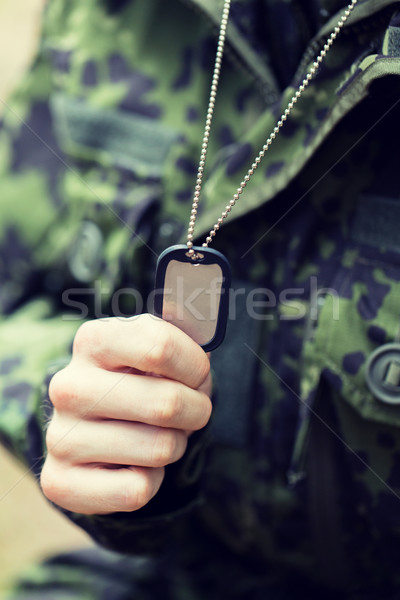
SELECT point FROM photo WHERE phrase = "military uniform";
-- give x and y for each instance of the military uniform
(294, 486)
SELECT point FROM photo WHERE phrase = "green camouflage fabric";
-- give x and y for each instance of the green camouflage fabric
(294, 487)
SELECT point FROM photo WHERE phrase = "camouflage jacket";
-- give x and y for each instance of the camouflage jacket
(299, 472)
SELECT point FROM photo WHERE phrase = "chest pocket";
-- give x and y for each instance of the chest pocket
(112, 185)
(357, 339)
(352, 361)
(113, 157)
(112, 138)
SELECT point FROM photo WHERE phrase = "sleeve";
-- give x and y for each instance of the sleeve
(34, 337)
(166, 518)
(49, 249)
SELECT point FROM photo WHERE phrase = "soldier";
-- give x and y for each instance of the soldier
(292, 486)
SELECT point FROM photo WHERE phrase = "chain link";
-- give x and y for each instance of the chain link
(207, 129)
(214, 86)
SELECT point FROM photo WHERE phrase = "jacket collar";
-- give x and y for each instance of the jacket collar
(242, 52)
(218, 184)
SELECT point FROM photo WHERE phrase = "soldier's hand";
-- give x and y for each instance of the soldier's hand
(123, 410)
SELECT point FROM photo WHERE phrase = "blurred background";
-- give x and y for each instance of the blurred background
(30, 529)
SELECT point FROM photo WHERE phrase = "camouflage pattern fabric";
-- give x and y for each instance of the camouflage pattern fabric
(100, 575)
(298, 477)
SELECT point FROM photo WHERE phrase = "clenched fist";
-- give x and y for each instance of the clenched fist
(123, 410)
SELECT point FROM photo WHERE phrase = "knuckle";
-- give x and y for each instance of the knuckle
(137, 492)
(162, 350)
(58, 444)
(207, 410)
(88, 339)
(52, 437)
(170, 406)
(50, 482)
(146, 319)
(82, 336)
(165, 448)
(62, 391)
(143, 491)
(203, 368)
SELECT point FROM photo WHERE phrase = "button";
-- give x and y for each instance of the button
(86, 255)
(324, 14)
(169, 233)
(167, 229)
(383, 373)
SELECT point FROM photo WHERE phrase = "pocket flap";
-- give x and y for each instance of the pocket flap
(111, 137)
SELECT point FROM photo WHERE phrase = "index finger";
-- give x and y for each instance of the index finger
(144, 343)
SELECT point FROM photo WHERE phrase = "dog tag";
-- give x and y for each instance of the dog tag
(193, 293)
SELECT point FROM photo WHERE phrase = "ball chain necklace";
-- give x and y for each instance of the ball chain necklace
(192, 282)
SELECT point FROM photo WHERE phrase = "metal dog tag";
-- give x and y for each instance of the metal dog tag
(193, 293)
